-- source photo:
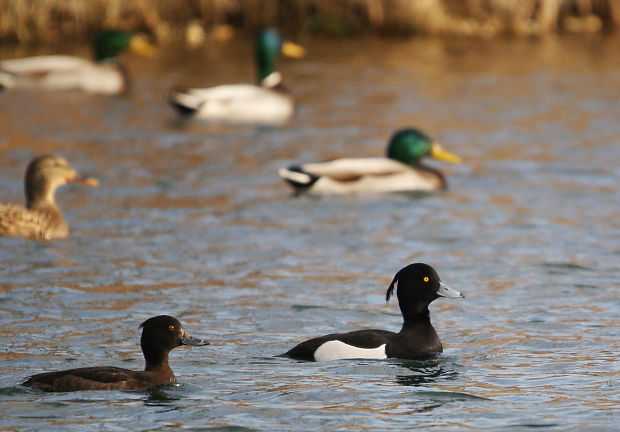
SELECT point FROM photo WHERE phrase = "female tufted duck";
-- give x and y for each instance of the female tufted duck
(417, 286)
(160, 335)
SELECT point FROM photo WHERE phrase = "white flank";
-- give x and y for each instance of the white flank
(243, 103)
(353, 167)
(59, 72)
(335, 350)
(44, 63)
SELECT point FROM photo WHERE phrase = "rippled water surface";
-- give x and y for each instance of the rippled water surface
(193, 221)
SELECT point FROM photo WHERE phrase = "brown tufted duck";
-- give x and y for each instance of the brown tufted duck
(160, 335)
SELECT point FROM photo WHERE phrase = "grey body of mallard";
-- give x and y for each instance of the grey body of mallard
(59, 72)
(266, 103)
(238, 103)
(104, 75)
(400, 171)
(363, 175)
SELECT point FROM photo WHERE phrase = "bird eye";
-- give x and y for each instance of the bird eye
(426, 279)
(171, 328)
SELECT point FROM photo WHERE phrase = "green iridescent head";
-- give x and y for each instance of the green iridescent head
(269, 45)
(108, 44)
(410, 145)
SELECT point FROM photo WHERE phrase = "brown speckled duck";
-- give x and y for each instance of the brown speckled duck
(41, 219)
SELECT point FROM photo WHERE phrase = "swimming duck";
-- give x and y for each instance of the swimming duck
(41, 219)
(267, 103)
(417, 286)
(61, 72)
(160, 335)
(400, 171)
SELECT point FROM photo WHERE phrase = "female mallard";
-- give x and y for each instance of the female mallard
(268, 103)
(61, 72)
(400, 171)
(41, 219)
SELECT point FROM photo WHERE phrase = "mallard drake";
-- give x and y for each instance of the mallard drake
(400, 171)
(41, 219)
(61, 72)
(267, 103)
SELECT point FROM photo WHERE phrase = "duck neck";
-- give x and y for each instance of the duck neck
(156, 360)
(438, 176)
(264, 71)
(44, 206)
(416, 317)
(265, 63)
(418, 335)
(40, 196)
(44, 203)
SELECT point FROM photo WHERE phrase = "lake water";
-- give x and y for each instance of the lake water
(192, 221)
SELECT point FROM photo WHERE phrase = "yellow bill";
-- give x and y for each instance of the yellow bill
(438, 152)
(89, 181)
(291, 49)
(75, 177)
(140, 45)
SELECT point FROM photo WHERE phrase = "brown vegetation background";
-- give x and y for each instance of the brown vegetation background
(48, 21)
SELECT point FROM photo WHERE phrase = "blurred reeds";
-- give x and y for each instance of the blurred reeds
(47, 21)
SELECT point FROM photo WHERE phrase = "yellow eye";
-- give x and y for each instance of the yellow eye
(426, 279)
(171, 328)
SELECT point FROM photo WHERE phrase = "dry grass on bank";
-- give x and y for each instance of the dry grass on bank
(46, 21)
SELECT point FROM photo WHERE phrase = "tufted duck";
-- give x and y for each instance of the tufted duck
(417, 286)
(160, 335)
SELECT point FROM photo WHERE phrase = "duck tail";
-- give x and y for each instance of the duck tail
(7, 79)
(297, 177)
(185, 103)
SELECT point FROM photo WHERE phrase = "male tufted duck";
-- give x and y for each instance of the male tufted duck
(160, 335)
(417, 286)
